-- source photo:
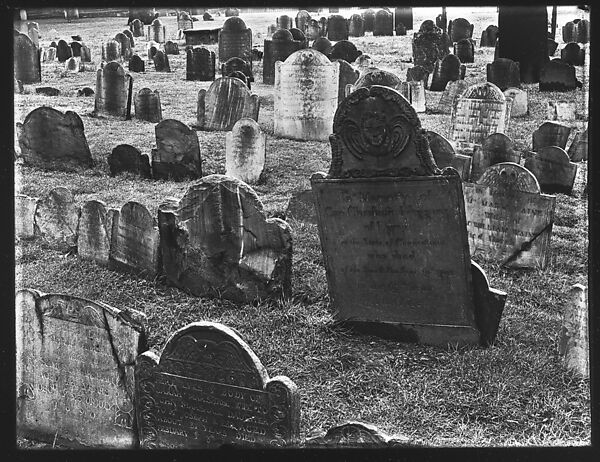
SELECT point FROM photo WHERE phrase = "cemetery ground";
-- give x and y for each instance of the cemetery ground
(516, 392)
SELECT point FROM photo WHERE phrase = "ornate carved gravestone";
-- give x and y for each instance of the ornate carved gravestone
(245, 148)
(156, 31)
(125, 45)
(356, 26)
(368, 20)
(383, 24)
(348, 76)
(414, 92)
(208, 388)
(161, 62)
(465, 50)
(126, 158)
(504, 73)
(171, 48)
(508, 220)
(356, 435)
(553, 169)
(578, 150)
(75, 375)
(454, 89)
(111, 51)
(428, 47)
(445, 155)
(147, 105)
(235, 40)
(63, 51)
(137, 28)
(113, 91)
(217, 241)
(517, 99)
(200, 64)
(24, 216)
(346, 50)
(136, 64)
(551, 134)
(226, 101)
(459, 29)
(444, 71)
(306, 95)
(574, 346)
(56, 218)
(302, 18)
(393, 230)
(284, 22)
(489, 36)
(417, 73)
(94, 232)
(53, 140)
(573, 54)
(27, 67)
(495, 149)
(281, 45)
(177, 152)
(240, 65)
(404, 15)
(135, 240)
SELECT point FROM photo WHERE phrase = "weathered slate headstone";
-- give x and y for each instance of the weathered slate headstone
(306, 95)
(404, 15)
(113, 91)
(356, 435)
(459, 29)
(508, 220)
(152, 49)
(574, 343)
(24, 216)
(346, 50)
(217, 241)
(428, 47)
(171, 48)
(489, 36)
(137, 28)
(284, 22)
(281, 45)
(147, 105)
(377, 77)
(177, 152)
(569, 32)
(156, 31)
(53, 140)
(517, 99)
(200, 64)
(348, 76)
(414, 92)
(383, 24)
(573, 54)
(322, 45)
(454, 89)
(495, 149)
(226, 101)
(578, 150)
(76, 48)
(245, 148)
(465, 50)
(504, 73)
(444, 71)
(368, 20)
(235, 40)
(301, 206)
(299, 36)
(94, 232)
(85, 54)
(208, 388)
(111, 51)
(383, 200)
(63, 51)
(75, 374)
(135, 240)
(551, 134)
(561, 110)
(161, 62)
(56, 219)
(125, 45)
(356, 26)
(27, 67)
(126, 158)
(553, 169)
(136, 64)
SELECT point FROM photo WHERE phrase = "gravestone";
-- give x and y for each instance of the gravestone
(245, 148)
(323, 25)
(136, 64)
(207, 389)
(27, 67)
(76, 48)
(56, 219)
(573, 54)
(18, 88)
(348, 76)
(284, 22)
(404, 15)
(551, 134)
(368, 20)
(465, 50)
(364, 64)
(383, 24)
(63, 51)
(377, 77)
(356, 435)
(459, 29)
(111, 51)
(143, 15)
(235, 40)
(553, 169)
(574, 343)
(504, 73)
(578, 150)
(489, 36)
(454, 89)
(356, 26)
(75, 375)
(495, 149)
(171, 48)
(129, 35)
(24, 216)
(445, 155)
(583, 31)
(301, 206)
(508, 220)
(49, 55)
(147, 105)
(47, 91)
(344, 49)
(137, 28)
(200, 64)
(322, 45)
(94, 232)
(232, 12)
(280, 46)
(428, 47)
(313, 30)
(518, 101)
(226, 101)
(417, 73)
(299, 36)
(184, 21)
(85, 54)
(113, 91)
(125, 44)
(72, 65)
(126, 158)
(238, 64)
(156, 31)
(34, 33)
(302, 18)
(217, 241)
(52, 140)
(414, 92)
(552, 46)
(161, 62)
(306, 95)
(444, 71)
(177, 152)
(383, 199)
(134, 245)
(400, 29)
(207, 16)
(561, 110)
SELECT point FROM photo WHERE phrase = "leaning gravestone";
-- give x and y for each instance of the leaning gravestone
(444, 71)
(465, 50)
(348, 76)
(504, 73)
(200, 64)
(245, 148)
(136, 64)
(113, 91)
(508, 220)
(56, 219)
(226, 101)
(126, 158)
(337, 28)
(171, 48)
(281, 45)
(111, 51)
(217, 241)
(27, 67)
(177, 152)
(147, 105)
(75, 374)
(135, 240)
(156, 31)
(63, 51)
(161, 62)
(129, 35)
(346, 50)
(25, 207)
(306, 96)
(454, 89)
(53, 140)
(551, 134)
(356, 26)
(207, 389)
(578, 150)
(393, 230)
(94, 232)
(495, 149)
(235, 40)
(553, 169)
(518, 101)
(383, 24)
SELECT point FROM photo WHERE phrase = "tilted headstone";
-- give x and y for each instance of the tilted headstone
(156, 31)
(393, 230)
(111, 51)
(113, 91)
(383, 24)
(52, 140)
(428, 47)
(495, 149)
(444, 71)
(135, 240)
(177, 152)
(25, 207)
(281, 45)
(346, 50)
(226, 101)
(404, 15)
(517, 99)
(417, 73)
(504, 73)
(552, 46)
(306, 95)
(578, 150)
(240, 65)
(551, 134)
(301, 206)
(284, 22)
(207, 389)
(27, 67)
(126, 158)
(454, 89)
(489, 36)
(136, 64)
(245, 148)
(63, 51)
(465, 50)
(414, 92)
(161, 62)
(348, 76)
(171, 48)
(356, 434)
(573, 54)
(147, 105)
(217, 241)
(200, 64)
(561, 110)
(368, 20)
(94, 232)
(76, 48)
(574, 343)
(137, 28)
(75, 370)
(56, 219)
(313, 30)
(553, 169)
(125, 43)
(459, 29)
(302, 18)
(356, 27)
(508, 220)
(235, 40)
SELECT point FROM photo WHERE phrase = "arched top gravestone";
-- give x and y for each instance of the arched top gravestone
(465, 50)
(368, 20)
(161, 61)
(200, 64)
(111, 51)
(94, 232)
(551, 134)
(442, 150)
(137, 28)
(284, 22)
(281, 45)
(344, 49)
(177, 152)
(489, 36)
(235, 40)
(504, 73)
(553, 169)
(136, 64)
(459, 29)
(378, 77)
(494, 149)
(356, 26)
(298, 35)
(573, 54)
(125, 45)
(282, 34)
(509, 176)
(240, 65)
(322, 45)
(313, 29)
(156, 31)
(63, 51)
(113, 91)
(446, 70)
(383, 23)
(27, 57)
(337, 28)
(147, 105)
(126, 158)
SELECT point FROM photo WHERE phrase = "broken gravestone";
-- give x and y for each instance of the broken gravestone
(177, 152)
(126, 158)
(245, 147)
(94, 232)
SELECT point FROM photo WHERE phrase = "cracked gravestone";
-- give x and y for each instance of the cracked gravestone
(177, 152)
(126, 158)
(94, 232)
(245, 147)
(553, 169)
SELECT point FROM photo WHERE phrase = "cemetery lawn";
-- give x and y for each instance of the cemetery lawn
(515, 392)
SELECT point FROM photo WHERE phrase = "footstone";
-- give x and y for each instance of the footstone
(558, 75)
(135, 241)
(301, 206)
(111, 51)
(504, 73)
(348, 76)
(63, 51)
(235, 40)
(56, 219)
(161, 62)
(574, 341)
(459, 29)
(47, 91)
(508, 220)
(454, 90)
(75, 374)
(518, 101)
(356, 435)
(553, 169)
(245, 147)
(136, 64)
(208, 389)
(147, 105)
(126, 158)
(177, 153)
(200, 64)
(578, 150)
(25, 207)
(113, 91)
(346, 50)
(561, 110)
(171, 48)
(27, 67)
(217, 241)
(551, 134)
(495, 149)
(94, 232)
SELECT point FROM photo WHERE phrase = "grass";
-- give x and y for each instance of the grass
(514, 393)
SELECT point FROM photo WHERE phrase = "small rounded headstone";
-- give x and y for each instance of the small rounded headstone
(136, 64)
